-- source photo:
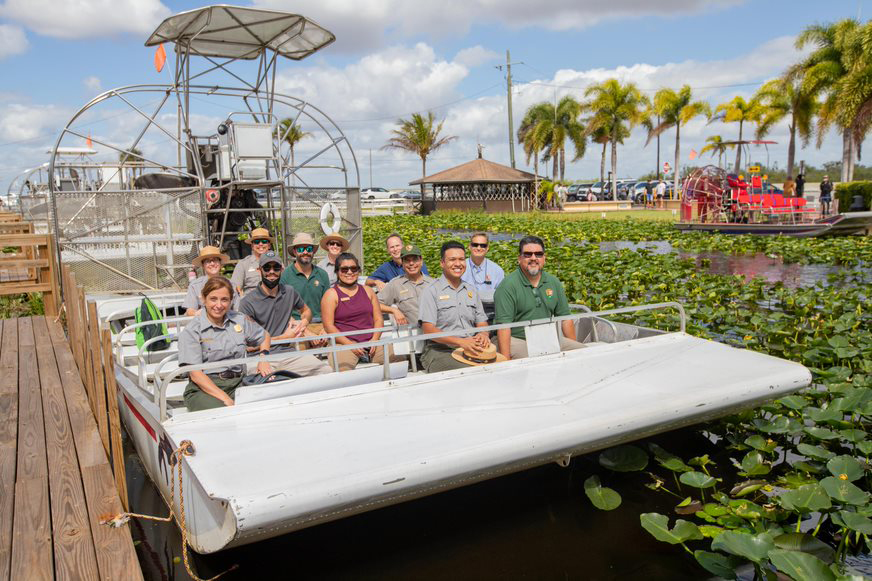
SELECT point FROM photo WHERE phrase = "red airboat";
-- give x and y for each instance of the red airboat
(714, 201)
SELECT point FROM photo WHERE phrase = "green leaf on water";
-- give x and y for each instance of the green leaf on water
(821, 433)
(758, 442)
(853, 435)
(752, 547)
(697, 479)
(806, 543)
(717, 564)
(600, 496)
(844, 491)
(808, 498)
(747, 487)
(753, 464)
(658, 525)
(710, 531)
(624, 459)
(856, 522)
(794, 402)
(824, 415)
(865, 446)
(816, 452)
(845, 468)
(839, 341)
(800, 566)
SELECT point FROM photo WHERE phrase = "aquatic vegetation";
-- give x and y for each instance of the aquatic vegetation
(789, 489)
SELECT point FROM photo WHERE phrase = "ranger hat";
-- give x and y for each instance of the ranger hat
(210, 252)
(489, 355)
(260, 234)
(268, 257)
(324, 241)
(301, 239)
(410, 250)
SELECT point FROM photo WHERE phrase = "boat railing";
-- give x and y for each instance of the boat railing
(122, 334)
(173, 297)
(162, 381)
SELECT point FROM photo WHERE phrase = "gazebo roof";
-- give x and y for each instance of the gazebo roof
(477, 171)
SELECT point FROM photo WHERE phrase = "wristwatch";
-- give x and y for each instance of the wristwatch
(264, 351)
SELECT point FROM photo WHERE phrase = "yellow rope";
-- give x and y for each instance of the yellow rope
(186, 448)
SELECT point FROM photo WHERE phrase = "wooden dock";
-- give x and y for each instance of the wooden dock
(56, 482)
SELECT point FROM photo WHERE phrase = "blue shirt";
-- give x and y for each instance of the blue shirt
(485, 278)
(391, 270)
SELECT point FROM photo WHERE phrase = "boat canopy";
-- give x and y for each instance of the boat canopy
(242, 33)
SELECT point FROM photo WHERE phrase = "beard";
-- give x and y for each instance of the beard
(533, 270)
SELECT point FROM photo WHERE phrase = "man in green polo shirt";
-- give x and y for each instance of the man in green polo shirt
(527, 294)
(309, 281)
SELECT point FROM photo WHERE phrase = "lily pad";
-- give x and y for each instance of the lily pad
(758, 442)
(747, 487)
(624, 459)
(753, 464)
(710, 531)
(821, 433)
(794, 402)
(717, 564)
(853, 435)
(806, 543)
(697, 479)
(844, 491)
(856, 522)
(602, 497)
(658, 525)
(808, 498)
(752, 547)
(824, 415)
(845, 468)
(800, 566)
(816, 452)
(865, 446)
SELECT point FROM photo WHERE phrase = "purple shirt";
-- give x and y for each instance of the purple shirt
(354, 313)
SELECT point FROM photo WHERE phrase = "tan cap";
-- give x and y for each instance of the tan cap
(260, 234)
(210, 252)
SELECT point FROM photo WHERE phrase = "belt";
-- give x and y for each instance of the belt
(227, 374)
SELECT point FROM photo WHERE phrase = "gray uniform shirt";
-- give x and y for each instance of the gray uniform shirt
(271, 313)
(451, 309)
(405, 294)
(246, 274)
(194, 298)
(202, 342)
(329, 269)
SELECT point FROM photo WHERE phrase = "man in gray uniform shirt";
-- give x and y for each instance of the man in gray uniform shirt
(449, 304)
(245, 275)
(270, 305)
(405, 291)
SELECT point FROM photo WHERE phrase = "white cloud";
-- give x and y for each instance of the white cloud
(475, 56)
(93, 84)
(362, 24)
(22, 122)
(85, 18)
(12, 40)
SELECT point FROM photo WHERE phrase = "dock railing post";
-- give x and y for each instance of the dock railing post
(114, 419)
(97, 374)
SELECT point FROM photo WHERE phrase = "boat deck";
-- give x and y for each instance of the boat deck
(55, 479)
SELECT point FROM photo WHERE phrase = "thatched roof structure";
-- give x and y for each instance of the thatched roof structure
(477, 171)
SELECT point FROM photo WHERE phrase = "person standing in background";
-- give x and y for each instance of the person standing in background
(789, 187)
(800, 184)
(826, 195)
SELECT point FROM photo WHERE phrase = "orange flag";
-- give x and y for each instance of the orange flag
(160, 58)
(693, 154)
(88, 141)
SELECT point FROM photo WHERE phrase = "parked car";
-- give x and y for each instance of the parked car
(578, 192)
(597, 189)
(374, 194)
(406, 195)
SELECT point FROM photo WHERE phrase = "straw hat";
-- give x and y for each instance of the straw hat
(489, 355)
(260, 234)
(345, 243)
(210, 252)
(301, 239)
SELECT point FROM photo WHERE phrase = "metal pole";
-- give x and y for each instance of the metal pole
(370, 167)
(658, 149)
(509, 95)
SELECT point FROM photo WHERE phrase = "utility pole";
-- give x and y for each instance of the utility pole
(370, 166)
(658, 149)
(509, 99)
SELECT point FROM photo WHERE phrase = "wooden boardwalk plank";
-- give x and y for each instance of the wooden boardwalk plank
(31, 528)
(8, 437)
(74, 556)
(116, 556)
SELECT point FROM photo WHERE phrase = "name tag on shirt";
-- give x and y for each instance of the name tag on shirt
(405, 290)
(345, 298)
(444, 297)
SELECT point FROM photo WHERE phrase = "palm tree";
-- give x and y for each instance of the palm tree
(533, 136)
(838, 71)
(602, 135)
(419, 136)
(717, 146)
(291, 133)
(780, 98)
(554, 125)
(673, 109)
(617, 108)
(738, 110)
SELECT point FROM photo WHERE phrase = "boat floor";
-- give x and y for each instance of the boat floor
(288, 463)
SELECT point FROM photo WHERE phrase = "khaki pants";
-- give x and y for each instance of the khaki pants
(316, 328)
(197, 400)
(348, 360)
(436, 358)
(518, 347)
(304, 365)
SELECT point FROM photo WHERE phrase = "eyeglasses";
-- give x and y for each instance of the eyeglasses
(271, 267)
(478, 244)
(334, 243)
(349, 269)
(532, 254)
(260, 241)
(308, 249)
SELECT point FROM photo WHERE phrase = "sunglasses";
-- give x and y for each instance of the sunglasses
(478, 244)
(271, 267)
(308, 249)
(334, 243)
(260, 241)
(532, 254)
(349, 269)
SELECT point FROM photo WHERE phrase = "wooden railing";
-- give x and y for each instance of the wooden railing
(29, 264)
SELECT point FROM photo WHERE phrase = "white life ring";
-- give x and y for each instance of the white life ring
(326, 210)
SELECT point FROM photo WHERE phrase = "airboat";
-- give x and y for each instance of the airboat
(295, 453)
(714, 201)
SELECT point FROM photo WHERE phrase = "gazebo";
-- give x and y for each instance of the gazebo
(478, 184)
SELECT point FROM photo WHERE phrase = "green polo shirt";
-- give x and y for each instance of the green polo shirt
(517, 300)
(311, 288)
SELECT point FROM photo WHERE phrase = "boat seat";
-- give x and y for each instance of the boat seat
(130, 354)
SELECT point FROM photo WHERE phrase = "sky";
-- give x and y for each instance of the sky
(393, 58)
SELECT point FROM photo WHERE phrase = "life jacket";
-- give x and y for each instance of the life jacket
(147, 311)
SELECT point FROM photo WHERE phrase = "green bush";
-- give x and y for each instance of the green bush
(845, 194)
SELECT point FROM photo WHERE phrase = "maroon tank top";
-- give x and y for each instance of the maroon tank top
(354, 313)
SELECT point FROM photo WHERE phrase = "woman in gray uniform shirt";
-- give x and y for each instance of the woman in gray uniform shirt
(218, 334)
